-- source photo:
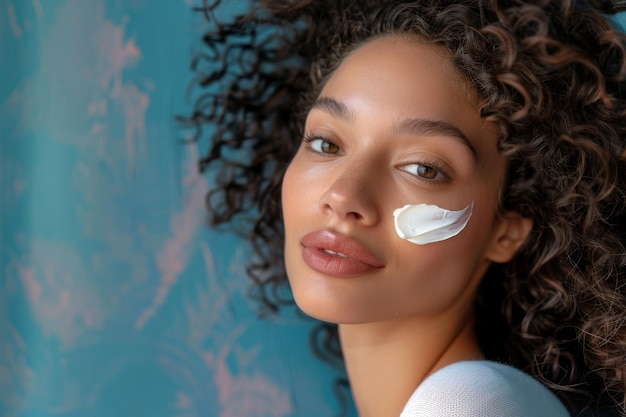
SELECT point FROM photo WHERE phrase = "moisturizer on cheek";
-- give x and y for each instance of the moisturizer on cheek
(425, 223)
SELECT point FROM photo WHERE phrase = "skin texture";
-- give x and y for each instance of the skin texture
(412, 312)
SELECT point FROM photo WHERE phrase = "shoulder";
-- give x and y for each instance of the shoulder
(482, 388)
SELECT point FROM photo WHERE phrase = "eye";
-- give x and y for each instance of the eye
(430, 171)
(321, 145)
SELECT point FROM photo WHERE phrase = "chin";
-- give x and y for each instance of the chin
(332, 311)
(316, 309)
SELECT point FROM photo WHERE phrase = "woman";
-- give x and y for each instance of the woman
(454, 195)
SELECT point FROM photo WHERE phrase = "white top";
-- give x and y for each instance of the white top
(482, 389)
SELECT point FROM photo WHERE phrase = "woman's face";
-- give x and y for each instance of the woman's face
(394, 125)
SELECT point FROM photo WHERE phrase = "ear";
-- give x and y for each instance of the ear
(509, 234)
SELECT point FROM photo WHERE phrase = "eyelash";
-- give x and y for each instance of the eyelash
(432, 164)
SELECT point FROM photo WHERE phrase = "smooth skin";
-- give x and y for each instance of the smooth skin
(395, 124)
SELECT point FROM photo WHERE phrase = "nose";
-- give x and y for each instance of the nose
(352, 196)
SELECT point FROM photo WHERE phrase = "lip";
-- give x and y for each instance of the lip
(351, 258)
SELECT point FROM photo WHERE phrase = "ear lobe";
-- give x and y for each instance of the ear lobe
(509, 235)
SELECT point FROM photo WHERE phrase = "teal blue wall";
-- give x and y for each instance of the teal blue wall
(115, 298)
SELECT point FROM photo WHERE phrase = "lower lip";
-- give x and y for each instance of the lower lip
(334, 265)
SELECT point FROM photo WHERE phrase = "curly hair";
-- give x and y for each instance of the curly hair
(550, 74)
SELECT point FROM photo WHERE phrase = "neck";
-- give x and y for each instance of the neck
(387, 361)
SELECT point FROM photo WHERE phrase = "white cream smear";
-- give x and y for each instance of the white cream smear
(425, 223)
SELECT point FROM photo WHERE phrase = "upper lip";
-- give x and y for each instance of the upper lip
(335, 242)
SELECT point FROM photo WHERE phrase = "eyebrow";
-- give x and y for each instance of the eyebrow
(413, 126)
(334, 107)
(428, 127)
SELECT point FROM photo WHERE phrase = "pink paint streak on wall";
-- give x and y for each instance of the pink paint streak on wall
(184, 226)
(16, 375)
(14, 19)
(118, 54)
(121, 54)
(135, 104)
(15, 26)
(61, 299)
(115, 50)
(89, 80)
(246, 393)
(38, 8)
(207, 313)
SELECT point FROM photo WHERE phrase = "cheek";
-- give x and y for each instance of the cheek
(297, 200)
(434, 281)
(290, 189)
(436, 275)
(290, 209)
(303, 185)
(294, 199)
(286, 192)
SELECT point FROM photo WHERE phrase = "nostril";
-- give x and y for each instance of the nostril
(347, 199)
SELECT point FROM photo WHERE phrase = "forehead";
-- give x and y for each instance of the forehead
(406, 77)
(407, 60)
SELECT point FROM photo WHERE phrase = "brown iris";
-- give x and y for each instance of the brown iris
(427, 172)
(329, 147)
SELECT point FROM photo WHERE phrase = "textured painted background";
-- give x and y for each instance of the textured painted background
(115, 299)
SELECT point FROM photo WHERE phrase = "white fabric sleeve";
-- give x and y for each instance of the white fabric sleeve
(482, 389)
